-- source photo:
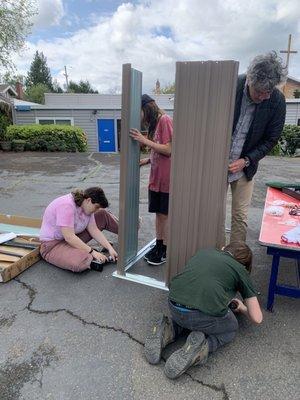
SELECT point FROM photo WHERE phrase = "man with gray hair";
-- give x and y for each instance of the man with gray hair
(258, 122)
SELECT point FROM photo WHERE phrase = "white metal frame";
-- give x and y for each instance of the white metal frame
(144, 280)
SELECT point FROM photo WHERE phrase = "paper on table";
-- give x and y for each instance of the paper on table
(5, 237)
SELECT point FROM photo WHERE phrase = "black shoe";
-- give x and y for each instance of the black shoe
(97, 266)
(159, 257)
(150, 252)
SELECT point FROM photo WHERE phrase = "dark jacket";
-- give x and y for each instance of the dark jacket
(266, 127)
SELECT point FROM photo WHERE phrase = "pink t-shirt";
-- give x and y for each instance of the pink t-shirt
(63, 212)
(159, 180)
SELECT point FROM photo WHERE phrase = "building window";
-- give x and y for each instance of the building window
(54, 121)
(298, 122)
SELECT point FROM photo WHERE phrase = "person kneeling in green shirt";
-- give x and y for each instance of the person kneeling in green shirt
(201, 300)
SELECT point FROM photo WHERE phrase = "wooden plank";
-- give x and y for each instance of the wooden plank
(18, 251)
(11, 270)
(19, 220)
(203, 116)
(10, 258)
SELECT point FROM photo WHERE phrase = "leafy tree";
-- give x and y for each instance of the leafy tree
(81, 87)
(35, 93)
(169, 89)
(12, 79)
(297, 94)
(39, 72)
(15, 24)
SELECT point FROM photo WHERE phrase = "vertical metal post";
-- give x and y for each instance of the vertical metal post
(129, 167)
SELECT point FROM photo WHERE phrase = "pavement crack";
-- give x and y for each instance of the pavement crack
(216, 388)
(32, 294)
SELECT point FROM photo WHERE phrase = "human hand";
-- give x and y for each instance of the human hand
(240, 306)
(99, 256)
(237, 165)
(137, 136)
(144, 161)
(113, 254)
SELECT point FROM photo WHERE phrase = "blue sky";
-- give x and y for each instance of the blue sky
(78, 14)
(93, 38)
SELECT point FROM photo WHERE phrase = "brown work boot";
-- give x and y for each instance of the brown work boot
(162, 333)
(194, 352)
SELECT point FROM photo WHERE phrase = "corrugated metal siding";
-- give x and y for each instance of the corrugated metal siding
(292, 113)
(129, 167)
(203, 119)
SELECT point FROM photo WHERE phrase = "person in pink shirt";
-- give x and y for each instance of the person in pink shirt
(160, 131)
(70, 222)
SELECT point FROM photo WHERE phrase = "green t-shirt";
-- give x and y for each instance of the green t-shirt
(209, 282)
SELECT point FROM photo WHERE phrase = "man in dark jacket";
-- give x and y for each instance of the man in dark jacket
(258, 122)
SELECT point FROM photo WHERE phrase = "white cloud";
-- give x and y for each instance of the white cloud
(201, 30)
(49, 13)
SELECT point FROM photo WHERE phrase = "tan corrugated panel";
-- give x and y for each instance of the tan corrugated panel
(129, 167)
(203, 116)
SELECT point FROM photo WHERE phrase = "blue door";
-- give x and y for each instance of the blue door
(106, 135)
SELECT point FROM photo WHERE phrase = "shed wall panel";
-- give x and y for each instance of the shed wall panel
(203, 116)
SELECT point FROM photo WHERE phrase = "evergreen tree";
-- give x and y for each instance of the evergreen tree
(81, 87)
(39, 72)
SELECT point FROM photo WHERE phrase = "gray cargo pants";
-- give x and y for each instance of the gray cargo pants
(218, 330)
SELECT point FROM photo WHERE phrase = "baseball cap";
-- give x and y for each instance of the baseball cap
(146, 99)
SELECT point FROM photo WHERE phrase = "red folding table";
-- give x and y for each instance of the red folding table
(272, 229)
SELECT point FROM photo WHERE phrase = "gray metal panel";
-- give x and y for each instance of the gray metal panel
(25, 118)
(97, 101)
(204, 105)
(129, 167)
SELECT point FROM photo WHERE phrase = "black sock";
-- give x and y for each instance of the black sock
(159, 243)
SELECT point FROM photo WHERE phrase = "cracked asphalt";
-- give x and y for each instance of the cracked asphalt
(66, 336)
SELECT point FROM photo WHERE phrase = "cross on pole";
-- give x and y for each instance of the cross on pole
(288, 51)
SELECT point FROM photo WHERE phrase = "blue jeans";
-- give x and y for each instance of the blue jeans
(218, 330)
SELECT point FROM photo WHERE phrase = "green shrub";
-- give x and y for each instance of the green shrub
(289, 140)
(4, 123)
(18, 144)
(49, 137)
(275, 151)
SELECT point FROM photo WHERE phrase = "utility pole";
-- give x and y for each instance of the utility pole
(67, 81)
(288, 52)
